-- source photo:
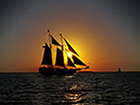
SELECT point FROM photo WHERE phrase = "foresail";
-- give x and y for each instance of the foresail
(77, 61)
(70, 63)
(59, 58)
(47, 58)
(54, 41)
(70, 48)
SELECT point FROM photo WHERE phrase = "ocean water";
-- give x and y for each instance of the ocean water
(79, 89)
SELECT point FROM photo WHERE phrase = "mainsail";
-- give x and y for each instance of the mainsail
(59, 58)
(47, 58)
(77, 61)
(70, 48)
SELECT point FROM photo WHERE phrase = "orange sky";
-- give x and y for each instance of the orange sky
(105, 34)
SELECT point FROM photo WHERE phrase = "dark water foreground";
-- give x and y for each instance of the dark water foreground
(80, 89)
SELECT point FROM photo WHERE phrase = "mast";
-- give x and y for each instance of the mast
(47, 58)
(49, 35)
(62, 49)
(62, 41)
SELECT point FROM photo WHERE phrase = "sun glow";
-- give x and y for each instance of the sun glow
(69, 54)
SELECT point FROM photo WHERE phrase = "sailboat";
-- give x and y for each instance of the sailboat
(119, 70)
(73, 58)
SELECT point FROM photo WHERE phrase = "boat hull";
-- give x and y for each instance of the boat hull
(57, 71)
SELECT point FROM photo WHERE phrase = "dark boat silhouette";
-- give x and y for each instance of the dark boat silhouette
(47, 67)
(119, 70)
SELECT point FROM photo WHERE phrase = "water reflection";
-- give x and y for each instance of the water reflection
(79, 89)
(73, 92)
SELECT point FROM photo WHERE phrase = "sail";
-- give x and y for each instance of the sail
(47, 58)
(78, 61)
(70, 48)
(70, 63)
(54, 41)
(59, 58)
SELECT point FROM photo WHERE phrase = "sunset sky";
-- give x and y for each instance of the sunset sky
(105, 33)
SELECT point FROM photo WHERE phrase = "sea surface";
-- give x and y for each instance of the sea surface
(79, 89)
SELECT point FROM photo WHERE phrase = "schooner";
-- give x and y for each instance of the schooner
(47, 67)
